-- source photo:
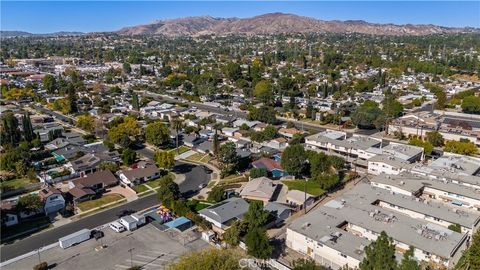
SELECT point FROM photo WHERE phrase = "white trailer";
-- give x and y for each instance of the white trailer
(74, 238)
(140, 219)
(129, 223)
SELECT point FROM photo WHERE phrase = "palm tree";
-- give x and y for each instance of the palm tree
(177, 125)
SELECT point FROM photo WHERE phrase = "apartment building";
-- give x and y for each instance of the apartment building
(337, 233)
(426, 187)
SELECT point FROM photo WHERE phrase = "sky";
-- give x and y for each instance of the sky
(92, 16)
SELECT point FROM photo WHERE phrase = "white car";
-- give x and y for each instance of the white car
(116, 226)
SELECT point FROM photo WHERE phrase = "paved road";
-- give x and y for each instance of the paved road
(298, 124)
(194, 176)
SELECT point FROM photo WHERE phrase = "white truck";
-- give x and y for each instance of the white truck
(74, 238)
(129, 223)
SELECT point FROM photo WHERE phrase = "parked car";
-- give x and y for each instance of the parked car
(202, 186)
(96, 234)
(117, 227)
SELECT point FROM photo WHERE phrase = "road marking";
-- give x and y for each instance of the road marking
(148, 257)
(122, 266)
(142, 263)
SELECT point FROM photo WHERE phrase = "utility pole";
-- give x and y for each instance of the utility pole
(39, 260)
(305, 198)
(131, 257)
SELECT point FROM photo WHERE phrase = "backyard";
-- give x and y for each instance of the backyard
(109, 198)
(313, 187)
(16, 183)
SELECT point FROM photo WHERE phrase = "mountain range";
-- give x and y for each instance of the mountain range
(270, 23)
(7, 34)
(275, 23)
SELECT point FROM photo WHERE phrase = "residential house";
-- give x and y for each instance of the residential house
(205, 147)
(271, 166)
(299, 199)
(53, 200)
(280, 211)
(192, 140)
(89, 186)
(259, 189)
(141, 172)
(277, 143)
(239, 122)
(222, 214)
(289, 132)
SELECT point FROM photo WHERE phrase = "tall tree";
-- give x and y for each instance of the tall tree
(435, 138)
(168, 191)
(30, 203)
(49, 83)
(157, 133)
(408, 261)
(228, 158)
(380, 254)
(28, 133)
(294, 159)
(256, 216)
(9, 133)
(177, 125)
(165, 159)
(208, 259)
(135, 102)
(129, 156)
(258, 244)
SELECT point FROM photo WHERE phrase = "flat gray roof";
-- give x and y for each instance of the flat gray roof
(370, 194)
(415, 182)
(323, 223)
(457, 163)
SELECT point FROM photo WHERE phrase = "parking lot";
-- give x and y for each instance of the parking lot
(147, 247)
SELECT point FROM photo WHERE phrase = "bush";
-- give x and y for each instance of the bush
(41, 266)
(258, 172)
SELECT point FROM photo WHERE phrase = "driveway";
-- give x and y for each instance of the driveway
(185, 155)
(126, 192)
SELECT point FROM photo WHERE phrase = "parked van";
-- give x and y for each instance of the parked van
(116, 226)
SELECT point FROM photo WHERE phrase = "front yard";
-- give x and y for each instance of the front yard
(30, 226)
(140, 188)
(313, 187)
(109, 198)
(198, 157)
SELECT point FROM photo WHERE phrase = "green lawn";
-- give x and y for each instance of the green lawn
(181, 149)
(313, 188)
(140, 188)
(198, 157)
(234, 179)
(84, 206)
(146, 193)
(156, 183)
(35, 225)
(15, 183)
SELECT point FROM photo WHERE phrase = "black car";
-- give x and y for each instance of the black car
(96, 234)
(125, 213)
